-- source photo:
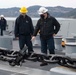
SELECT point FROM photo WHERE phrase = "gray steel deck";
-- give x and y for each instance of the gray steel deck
(27, 68)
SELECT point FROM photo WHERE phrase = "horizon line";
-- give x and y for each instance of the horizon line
(34, 5)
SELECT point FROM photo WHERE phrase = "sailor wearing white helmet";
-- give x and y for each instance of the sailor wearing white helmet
(3, 24)
(48, 27)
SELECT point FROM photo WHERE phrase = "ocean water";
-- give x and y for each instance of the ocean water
(13, 18)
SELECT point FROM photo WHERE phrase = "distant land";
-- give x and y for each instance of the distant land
(57, 11)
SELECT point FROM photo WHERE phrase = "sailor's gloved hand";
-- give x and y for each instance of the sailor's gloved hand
(54, 34)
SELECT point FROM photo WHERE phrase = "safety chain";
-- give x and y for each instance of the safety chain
(17, 58)
(65, 61)
(59, 59)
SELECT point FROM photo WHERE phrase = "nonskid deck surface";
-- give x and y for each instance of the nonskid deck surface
(27, 68)
(5, 69)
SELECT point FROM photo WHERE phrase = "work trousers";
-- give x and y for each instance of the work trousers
(47, 44)
(25, 40)
(1, 32)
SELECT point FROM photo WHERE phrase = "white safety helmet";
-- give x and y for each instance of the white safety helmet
(42, 10)
(2, 16)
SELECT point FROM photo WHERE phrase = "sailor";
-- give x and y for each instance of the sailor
(24, 29)
(3, 24)
(48, 27)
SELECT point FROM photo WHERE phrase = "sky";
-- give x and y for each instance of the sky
(46, 3)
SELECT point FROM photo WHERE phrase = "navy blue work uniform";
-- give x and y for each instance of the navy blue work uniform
(24, 30)
(47, 27)
(3, 24)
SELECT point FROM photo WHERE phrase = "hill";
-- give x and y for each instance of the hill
(71, 14)
(57, 11)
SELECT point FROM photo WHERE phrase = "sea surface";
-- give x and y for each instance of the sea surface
(13, 18)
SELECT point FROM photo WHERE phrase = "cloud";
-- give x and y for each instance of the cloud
(27, 3)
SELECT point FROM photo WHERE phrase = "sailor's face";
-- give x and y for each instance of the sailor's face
(44, 15)
(23, 14)
(2, 17)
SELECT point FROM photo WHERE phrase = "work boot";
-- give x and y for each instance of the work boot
(52, 52)
(43, 64)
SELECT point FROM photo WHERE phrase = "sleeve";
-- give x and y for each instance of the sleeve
(16, 30)
(37, 28)
(57, 26)
(31, 26)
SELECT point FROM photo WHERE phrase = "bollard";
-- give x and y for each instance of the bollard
(58, 40)
(6, 42)
(70, 39)
(70, 48)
